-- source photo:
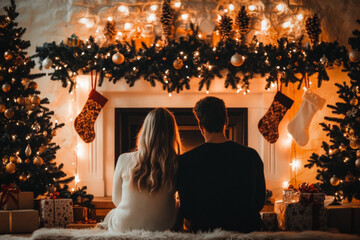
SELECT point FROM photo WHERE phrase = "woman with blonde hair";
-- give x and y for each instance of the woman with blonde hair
(144, 180)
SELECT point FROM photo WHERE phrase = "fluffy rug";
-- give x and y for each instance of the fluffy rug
(97, 234)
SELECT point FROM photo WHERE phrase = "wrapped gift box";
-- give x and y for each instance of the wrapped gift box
(80, 213)
(300, 217)
(19, 221)
(311, 197)
(56, 212)
(25, 200)
(269, 220)
(74, 41)
(344, 218)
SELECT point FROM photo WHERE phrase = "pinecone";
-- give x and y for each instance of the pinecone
(225, 26)
(166, 19)
(313, 28)
(110, 31)
(243, 21)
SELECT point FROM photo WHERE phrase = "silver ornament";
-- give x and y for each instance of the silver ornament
(28, 150)
(47, 63)
(354, 56)
(357, 163)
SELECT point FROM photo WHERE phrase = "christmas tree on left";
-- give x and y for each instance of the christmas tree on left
(27, 152)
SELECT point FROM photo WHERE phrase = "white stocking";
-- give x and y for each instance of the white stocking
(298, 127)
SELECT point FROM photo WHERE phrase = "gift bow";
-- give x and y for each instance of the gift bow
(54, 195)
(306, 188)
(8, 191)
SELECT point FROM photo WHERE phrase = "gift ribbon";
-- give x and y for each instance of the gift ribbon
(9, 191)
(10, 221)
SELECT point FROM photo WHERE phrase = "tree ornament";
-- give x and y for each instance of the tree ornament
(33, 85)
(354, 101)
(110, 31)
(22, 178)
(19, 160)
(10, 168)
(42, 148)
(5, 159)
(225, 27)
(38, 161)
(354, 143)
(45, 133)
(20, 100)
(14, 159)
(342, 147)
(349, 177)
(35, 100)
(13, 137)
(27, 161)
(53, 133)
(2, 108)
(36, 127)
(324, 60)
(178, 63)
(25, 82)
(11, 69)
(8, 55)
(118, 58)
(354, 55)
(357, 163)
(47, 63)
(166, 19)
(313, 29)
(334, 180)
(9, 113)
(358, 153)
(237, 60)
(28, 150)
(6, 87)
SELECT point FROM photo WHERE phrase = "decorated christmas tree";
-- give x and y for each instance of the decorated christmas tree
(339, 166)
(27, 152)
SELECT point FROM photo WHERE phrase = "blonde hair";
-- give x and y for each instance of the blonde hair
(158, 147)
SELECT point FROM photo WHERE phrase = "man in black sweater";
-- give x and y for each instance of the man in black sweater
(220, 183)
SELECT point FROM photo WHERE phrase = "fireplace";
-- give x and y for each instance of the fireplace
(128, 122)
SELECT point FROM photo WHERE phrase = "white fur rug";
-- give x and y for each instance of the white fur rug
(98, 234)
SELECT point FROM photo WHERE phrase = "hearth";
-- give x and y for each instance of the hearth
(128, 122)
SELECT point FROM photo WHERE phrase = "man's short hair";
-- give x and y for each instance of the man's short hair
(211, 113)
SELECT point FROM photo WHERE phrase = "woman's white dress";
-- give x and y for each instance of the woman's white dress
(135, 209)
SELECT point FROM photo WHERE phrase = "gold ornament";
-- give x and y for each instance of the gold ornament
(22, 178)
(42, 148)
(9, 113)
(45, 133)
(2, 108)
(8, 55)
(351, 132)
(237, 60)
(28, 150)
(357, 163)
(38, 161)
(358, 153)
(334, 180)
(11, 69)
(10, 168)
(5, 159)
(35, 100)
(36, 127)
(178, 63)
(25, 82)
(118, 58)
(354, 102)
(27, 160)
(14, 159)
(53, 132)
(19, 160)
(354, 56)
(33, 85)
(20, 100)
(342, 147)
(6, 87)
(354, 143)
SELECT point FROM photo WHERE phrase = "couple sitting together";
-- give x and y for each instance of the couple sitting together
(220, 183)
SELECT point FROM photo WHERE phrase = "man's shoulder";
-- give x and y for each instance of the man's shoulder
(193, 152)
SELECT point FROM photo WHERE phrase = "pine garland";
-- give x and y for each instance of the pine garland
(313, 29)
(110, 31)
(225, 26)
(167, 18)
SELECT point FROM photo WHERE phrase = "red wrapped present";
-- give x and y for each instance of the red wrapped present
(19, 221)
(56, 212)
(309, 194)
(11, 198)
(269, 220)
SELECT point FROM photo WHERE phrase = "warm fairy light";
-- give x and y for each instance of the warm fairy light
(185, 16)
(265, 25)
(110, 19)
(207, 91)
(280, 7)
(79, 149)
(170, 94)
(200, 35)
(231, 7)
(300, 17)
(77, 179)
(83, 20)
(151, 17)
(177, 4)
(295, 164)
(286, 24)
(153, 7)
(218, 17)
(252, 8)
(127, 26)
(123, 9)
(285, 184)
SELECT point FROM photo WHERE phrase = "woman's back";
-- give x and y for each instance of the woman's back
(138, 209)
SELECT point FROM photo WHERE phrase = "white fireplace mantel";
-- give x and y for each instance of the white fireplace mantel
(95, 162)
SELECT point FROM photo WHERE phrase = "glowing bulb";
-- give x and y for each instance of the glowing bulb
(252, 8)
(294, 164)
(280, 7)
(151, 17)
(231, 7)
(77, 179)
(83, 20)
(300, 17)
(177, 4)
(219, 17)
(109, 19)
(170, 95)
(123, 9)
(286, 24)
(153, 7)
(127, 26)
(285, 184)
(199, 35)
(265, 25)
(185, 16)
(207, 91)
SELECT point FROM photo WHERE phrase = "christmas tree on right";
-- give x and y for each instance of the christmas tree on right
(339, 167)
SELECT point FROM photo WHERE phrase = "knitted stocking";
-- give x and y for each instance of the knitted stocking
(299, 126)
(269, 123)
(84, 122)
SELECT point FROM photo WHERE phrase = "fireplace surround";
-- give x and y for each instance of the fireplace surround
(95, 161)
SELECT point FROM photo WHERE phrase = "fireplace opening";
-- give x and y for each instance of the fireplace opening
(128, 122)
